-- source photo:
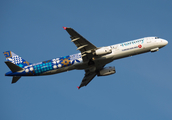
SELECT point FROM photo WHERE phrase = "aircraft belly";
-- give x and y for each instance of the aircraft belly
(103, 60)
(81, 66)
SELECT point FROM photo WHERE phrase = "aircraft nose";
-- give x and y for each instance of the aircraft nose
(165, 42)
(162, 42)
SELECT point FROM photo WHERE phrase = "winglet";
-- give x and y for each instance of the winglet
(78, 87)
(64, 28)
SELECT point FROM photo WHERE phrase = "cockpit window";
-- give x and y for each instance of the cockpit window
(156, 37)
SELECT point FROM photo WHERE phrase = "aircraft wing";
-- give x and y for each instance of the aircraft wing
(87, 78)
(81, 43)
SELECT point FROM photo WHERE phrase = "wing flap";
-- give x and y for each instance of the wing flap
(80, 47)
(75, 39)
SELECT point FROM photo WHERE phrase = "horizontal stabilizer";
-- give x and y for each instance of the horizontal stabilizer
(13, 67)
(15, 79)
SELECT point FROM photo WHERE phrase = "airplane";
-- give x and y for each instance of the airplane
(92, 59)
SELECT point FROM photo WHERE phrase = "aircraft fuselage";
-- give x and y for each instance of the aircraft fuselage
(75, 61)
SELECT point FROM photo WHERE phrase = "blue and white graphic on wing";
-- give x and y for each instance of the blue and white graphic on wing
(76, 58)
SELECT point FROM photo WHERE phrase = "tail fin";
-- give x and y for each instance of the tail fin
(12, 57)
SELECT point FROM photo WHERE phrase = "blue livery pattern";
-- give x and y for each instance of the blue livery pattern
(12, 57)
(41, 67)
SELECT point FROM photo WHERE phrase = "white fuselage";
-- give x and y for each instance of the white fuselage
(75, 61)
(134, 47)
(121, 50)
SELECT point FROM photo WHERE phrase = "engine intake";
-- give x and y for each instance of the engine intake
(103, 51)
(107, 71)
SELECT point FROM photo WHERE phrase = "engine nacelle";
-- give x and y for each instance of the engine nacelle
(107, 71)
(103, 51)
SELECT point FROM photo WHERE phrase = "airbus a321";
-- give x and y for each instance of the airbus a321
(92, 59)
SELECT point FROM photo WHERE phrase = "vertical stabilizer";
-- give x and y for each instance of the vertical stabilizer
(12, 57)
(15, 79)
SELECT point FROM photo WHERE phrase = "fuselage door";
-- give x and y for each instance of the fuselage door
(115, 47)
(148, 40)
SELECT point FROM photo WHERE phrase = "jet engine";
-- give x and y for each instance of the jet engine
(103, 51)
(107, 71)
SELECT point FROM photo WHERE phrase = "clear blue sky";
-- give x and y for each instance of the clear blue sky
(140, 90)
